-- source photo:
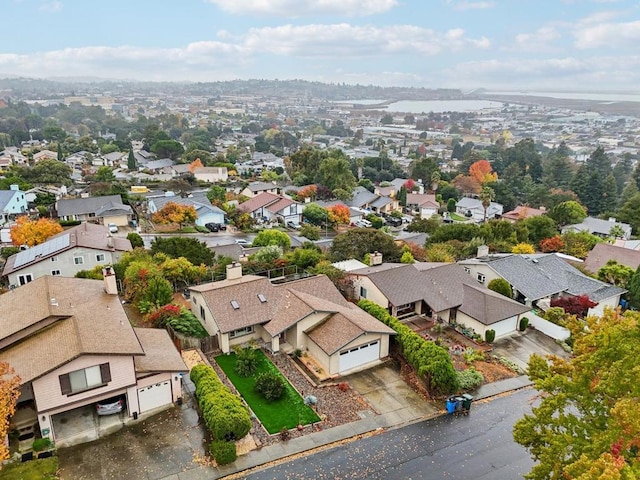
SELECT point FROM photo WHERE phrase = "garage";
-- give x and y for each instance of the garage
(154, 396)
(357, 356)
(505, 327)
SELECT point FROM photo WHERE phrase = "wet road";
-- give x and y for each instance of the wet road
(476, 447)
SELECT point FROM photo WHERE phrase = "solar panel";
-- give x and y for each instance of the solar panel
(44, 249)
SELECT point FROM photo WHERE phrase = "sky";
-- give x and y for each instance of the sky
(576, 45)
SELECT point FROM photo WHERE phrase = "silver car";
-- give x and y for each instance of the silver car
(110, 406)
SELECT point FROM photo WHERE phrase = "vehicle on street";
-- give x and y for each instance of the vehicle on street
(243, 242)
(113, 228)
(363, 223)
(110, 406)
(212, 227)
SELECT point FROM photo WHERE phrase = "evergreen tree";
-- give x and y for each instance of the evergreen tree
(622, 170)
(60, 156)
(595, 194)
(558, 171)
(630, 213)
(609, 194)
(131, 161)
(580, 184)
(599, 162)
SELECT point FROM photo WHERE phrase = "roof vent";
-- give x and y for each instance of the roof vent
(262, 298)
(53, 302)
(235, 305)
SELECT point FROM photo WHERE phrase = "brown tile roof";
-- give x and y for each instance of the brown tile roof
(603, 252)
(521, 212)
(280, 204)
(489, 307)
(160, 355)
(334, 333)
(401, 284)
(86, 321)
(85, 235)
(261, 200)
(422, 199)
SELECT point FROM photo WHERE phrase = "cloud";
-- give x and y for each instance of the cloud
(463, 5)
(539, 40)
(612, 35)
(301, 8)
(50, 7)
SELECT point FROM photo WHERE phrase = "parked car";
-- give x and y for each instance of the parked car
(110, 406)
(394, 221)
(113, 228)
(212, 227)
(295, 226)
(243, 242)
(363, 223)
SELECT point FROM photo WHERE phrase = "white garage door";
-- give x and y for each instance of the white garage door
(154, 396)
(356, 356)
(505, 327)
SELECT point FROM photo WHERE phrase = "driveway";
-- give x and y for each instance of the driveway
(162, 445)
(519, 346)
(389, 395)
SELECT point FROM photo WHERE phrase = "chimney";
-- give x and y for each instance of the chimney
(543, 208)
(243, 258)
(14, 187)
(110, 241)
(612, 219)
(375, 258)
(110, 285)
(234, 271)
(483, 251)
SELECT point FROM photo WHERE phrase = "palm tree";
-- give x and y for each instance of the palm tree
(435, 180)
(487, 195)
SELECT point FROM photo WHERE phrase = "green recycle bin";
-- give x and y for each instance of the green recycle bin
(466, 401)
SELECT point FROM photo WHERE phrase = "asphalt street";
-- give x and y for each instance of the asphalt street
(479, 446)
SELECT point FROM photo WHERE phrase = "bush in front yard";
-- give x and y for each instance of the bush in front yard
(524, 323)
(469, 379)
(246, 361)
(223, 452)
(223, 413)
(270, 385)
(489, 335)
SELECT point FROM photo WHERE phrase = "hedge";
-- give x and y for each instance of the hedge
(223, 452)
(223, 412)
(431, 361)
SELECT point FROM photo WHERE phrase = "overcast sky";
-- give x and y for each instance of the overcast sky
(495, 44)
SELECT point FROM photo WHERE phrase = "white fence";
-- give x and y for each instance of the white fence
(550, 329)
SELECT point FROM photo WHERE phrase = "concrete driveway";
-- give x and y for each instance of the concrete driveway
(519, 346)
(162, 445)
(389, 395)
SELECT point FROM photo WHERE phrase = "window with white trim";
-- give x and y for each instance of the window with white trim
(25, 278)
(85, 379)
(55, 272)
(467, 270)
(78, 260)
(481, 278)
(54, 259)
(363, 292)
(241, 332)
(100, 257)
(202, 315)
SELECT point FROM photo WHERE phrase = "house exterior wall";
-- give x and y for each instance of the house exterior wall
(202, 313)
(368, 338)
(291, 213)
(298, 339)
(65, 263)
(119, 220)
(48, 393)
(503, 327)
(248, 193)
(482, 269)
(17, 204)
(598, 310)
(210, 177)
(316, 352)
(427, 212)
(210, 217)
(373, 293)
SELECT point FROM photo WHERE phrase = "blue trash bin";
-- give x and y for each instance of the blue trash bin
(451, 405)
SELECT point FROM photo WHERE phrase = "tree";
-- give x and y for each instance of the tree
(131, 160)
(272, 237)
(315, 214)
(357, 242)
(568, 213)
(175, 213)
(310, 232)
(586, 424)
(181, 272)
(267, 254)
(540, 227)
(304, 258)
(48, 172)
(501, 286)
(440, 252)
(551, 244)
(487, 195)
(167, 149)
(339, 214)
(579, 244)
(135, 239)
(615, 273)
(9, 393)
(523, 248)
(197, 252)
(217, 195)
(407, 257)
(630, 212)
(482, 173)
(310, 191)
(335, 173)
(33, 232)
(157, 293)
(574, 305)
(633, 295)
(104, 174)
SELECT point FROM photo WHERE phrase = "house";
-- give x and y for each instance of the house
(13, 202)
(603, 252)
(443, 292)
(106, 209)
(423, 204)
(211, 174)
(601, 228)
(44, 155)
(472, 208)
(267, 206)
(523, 212)
(537, 279)
(308, 314)
(71, 343)
(79, 248)
(12, 156)
(256, 188)
(363, 199)
(157, 165)
(205, 211)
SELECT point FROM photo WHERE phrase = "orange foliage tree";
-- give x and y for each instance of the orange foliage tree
(33, 232)
(310, 191)
(339, 214)
(197, 163)
(481, 172)
(466, 184)
(9, 393)
(552, 244)
(175, 213)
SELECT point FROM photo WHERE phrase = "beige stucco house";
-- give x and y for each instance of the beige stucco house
(308, 314)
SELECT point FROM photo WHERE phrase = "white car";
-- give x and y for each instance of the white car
(113, 228)
(243, 242)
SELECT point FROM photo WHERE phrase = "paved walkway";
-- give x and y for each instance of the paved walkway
(278, 451)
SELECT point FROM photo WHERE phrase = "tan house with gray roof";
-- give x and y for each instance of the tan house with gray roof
(71, 343)
(308, 314)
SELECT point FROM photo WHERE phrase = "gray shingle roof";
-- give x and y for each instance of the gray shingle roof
(361, 197)
(487, 306)
(534, 283)
(598, 226)
(83, 206)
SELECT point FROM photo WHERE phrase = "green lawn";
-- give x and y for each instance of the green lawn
(288, 412)
(458, 218)
(44, 469)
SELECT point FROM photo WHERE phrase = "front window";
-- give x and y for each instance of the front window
(55, 272)
(241, 332)
(100, 257)
(85, 379)
(78, 260)
(481, 278)
(24, 279)
(363, 292)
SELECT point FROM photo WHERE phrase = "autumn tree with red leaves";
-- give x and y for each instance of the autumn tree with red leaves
(552, 244)
(9, 393)
(175, 213)
(575, 305)
(339, 214)
(482, 173)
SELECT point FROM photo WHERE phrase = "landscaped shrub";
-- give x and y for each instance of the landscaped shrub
(501, 286)
(469, 379)
(471, 355)
(431, 361)
(246, 361)
(524, 323)
(223, 413)
(489, 335)
(179, 318)
(270, 385)
(40, 444)
(223, 452)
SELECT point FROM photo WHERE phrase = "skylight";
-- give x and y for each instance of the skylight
(235, 305)
(262, 298)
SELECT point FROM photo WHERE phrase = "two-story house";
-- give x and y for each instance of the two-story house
(472, 208)
(105, 210)
(83, 247)
(423, 204)
(206, 212)
(13, 202)
(256, 188)
(267, 206)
